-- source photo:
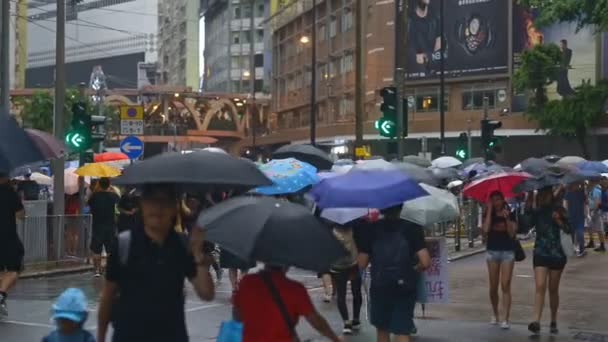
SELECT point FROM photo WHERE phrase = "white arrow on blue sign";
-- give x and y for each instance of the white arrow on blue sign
(132, 146)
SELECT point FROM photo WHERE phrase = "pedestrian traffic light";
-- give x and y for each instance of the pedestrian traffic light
(462, 148)
(85, 130)
(489, 142)
(387, 124)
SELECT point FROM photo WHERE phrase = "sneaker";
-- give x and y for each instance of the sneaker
(493, 320)
(534, 327)
(356, 325)
(348, 329)
(553, 328)
(327, 298)
(590, 245)
(505, 325)
(581, 254)
(601, 248)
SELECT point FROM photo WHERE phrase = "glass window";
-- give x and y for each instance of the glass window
(237, 12)
(347, 63)
(333, 27)
(334, 68)
(258, 60)
(236, 37)
(347, 20)
(260, 10)
(322, 72)
(473, 99)
(322, 32)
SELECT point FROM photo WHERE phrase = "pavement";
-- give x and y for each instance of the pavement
(582, 312)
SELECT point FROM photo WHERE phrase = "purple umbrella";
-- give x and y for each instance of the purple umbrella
(47, 144)
(366, 189)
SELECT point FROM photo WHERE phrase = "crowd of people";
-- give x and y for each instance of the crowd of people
(150, 233)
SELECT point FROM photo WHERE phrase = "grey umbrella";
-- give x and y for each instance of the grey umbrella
(416, 160)
(17, 148)
(202, 169)
(273, 231)
(306, 153)
(418, 173)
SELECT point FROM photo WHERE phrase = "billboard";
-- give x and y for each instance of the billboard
(476, 38)
(579, 49)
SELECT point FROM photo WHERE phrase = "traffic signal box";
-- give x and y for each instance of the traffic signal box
(387, 124)
(85, 129)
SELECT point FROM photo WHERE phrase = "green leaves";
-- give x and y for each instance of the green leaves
(539, 68)
(582, 12)
(37, 110)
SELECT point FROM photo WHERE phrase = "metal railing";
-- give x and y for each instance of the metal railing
(464, 229)
(55, 239)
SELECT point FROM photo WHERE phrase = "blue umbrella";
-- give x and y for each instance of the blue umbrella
(592, 166)
(288, 176)
(366, 189)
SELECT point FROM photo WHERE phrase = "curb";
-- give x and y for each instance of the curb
(57, 272)
(467, 254)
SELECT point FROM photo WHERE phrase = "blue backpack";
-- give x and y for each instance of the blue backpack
(392, 264)
(604, 204)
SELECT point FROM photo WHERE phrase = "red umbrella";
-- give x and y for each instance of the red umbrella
(110, 157)
(48, 145)
(481, 189)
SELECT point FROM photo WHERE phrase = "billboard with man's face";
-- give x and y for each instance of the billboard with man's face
(476, 38)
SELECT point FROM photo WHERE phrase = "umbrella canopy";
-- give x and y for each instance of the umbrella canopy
(70, 179)
(552, 179)
(445, 162)
(215, 150)
(446, 175)
(17, 148)
(366, 189)
(344, 215)
(535, 166)
(481, 189)
(593, 166)
(306, 153)
(472, 161)
(48, 145)
(201, 168)
(39, 178)
(571, 160)
(98, 170)
(374, 164)
(272, 231)
(288, 175)
(440, 206)
(417, 160)
(109, 157)
(418, 173)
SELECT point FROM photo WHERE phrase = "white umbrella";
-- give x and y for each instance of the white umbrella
(605, 162)
(571, 160)
(343, 215)
(446, 162)
(374, 164)
(39, 178)
(440, 206)
(70, 181)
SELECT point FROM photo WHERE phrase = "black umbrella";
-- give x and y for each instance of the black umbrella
(418, 173)
(16, 147)
(306, 153)
(552, 179)
(540, 166)
(201, 169)
(273, 231)
(416, 160)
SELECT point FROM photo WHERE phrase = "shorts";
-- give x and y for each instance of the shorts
(552, 263)
(596, 223)
(500, 257)
(392, 312)
(11, 256)
(103, 237)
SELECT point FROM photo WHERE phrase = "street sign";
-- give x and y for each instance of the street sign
(132, 146)
(131, 120)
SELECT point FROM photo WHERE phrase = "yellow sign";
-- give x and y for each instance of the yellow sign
(363, 152)
(131, 112)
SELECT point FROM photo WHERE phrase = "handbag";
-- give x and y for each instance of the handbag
(520, 254)
(567, 244)
(276, 296)
(230, 331)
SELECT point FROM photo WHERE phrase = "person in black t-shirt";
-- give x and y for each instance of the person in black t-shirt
(424, 38)
(28, 189)
(103, 206)
(11, 248)
(149, 278)
(392, 308)
(500, 228)
(129, 216)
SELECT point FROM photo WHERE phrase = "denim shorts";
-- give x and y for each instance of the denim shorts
(500, 256)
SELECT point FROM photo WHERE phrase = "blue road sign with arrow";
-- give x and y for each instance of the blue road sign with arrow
(132, 146)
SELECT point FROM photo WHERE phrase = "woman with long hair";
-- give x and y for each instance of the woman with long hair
(499, 227)
(549, 256)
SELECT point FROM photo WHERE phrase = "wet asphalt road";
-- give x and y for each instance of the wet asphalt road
(583, 311)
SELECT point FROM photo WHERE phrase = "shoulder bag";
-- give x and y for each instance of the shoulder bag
(520, 254)
(276, 296)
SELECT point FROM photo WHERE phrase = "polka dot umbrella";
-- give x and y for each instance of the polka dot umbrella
(288, 176)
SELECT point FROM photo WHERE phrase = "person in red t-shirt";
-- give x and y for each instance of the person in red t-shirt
(254, 295)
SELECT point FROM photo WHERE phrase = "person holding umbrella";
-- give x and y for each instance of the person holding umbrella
(500, 228)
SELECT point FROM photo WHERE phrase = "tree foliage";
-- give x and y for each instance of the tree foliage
(539, 68)
(582, 12)
(37, 110)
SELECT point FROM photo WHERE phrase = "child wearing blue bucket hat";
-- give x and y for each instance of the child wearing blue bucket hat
(69, 314)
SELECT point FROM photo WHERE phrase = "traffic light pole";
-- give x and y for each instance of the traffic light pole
(442, 79)
(5, 52)
(58, 117)
(399, 76)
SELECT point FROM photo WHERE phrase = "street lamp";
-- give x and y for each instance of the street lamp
(304, 39)
(246, 74)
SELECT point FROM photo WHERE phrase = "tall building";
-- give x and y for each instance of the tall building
(228, 33)
(116, 34)
(178, 42)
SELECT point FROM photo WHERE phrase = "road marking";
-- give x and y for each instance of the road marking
(204, 307)
(28, 324)
(524, 276)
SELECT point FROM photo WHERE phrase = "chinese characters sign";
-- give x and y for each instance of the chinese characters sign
(436, 283)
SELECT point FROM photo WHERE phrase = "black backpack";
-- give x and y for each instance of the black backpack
(392, 263)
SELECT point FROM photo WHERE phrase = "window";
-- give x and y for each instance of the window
(425, 100)
(347, 20)
(259, 36)
(346, 108)
(237, 12)
(299, 80)
(291, 83)
(347, 63)
(246, 11)
(473, 99)
(334, 68)
(258, 60)
(322, 72)
(260, 10)
(236, 37)
(333, 27)
(307, 78)
(322, 32)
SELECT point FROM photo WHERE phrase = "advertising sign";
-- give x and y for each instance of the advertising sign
(435, 282)
(476, 38)
(579, 49)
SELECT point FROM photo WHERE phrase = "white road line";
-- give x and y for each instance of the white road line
(28, 324)
(204, 307)
(524, 276)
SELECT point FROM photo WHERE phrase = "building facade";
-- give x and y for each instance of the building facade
(116, 34)
(178, 42)
(477, 66)
(228, 32)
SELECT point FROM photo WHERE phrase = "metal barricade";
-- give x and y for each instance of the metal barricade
(55, 239)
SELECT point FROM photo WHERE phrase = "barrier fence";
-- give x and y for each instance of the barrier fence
(51, 239)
